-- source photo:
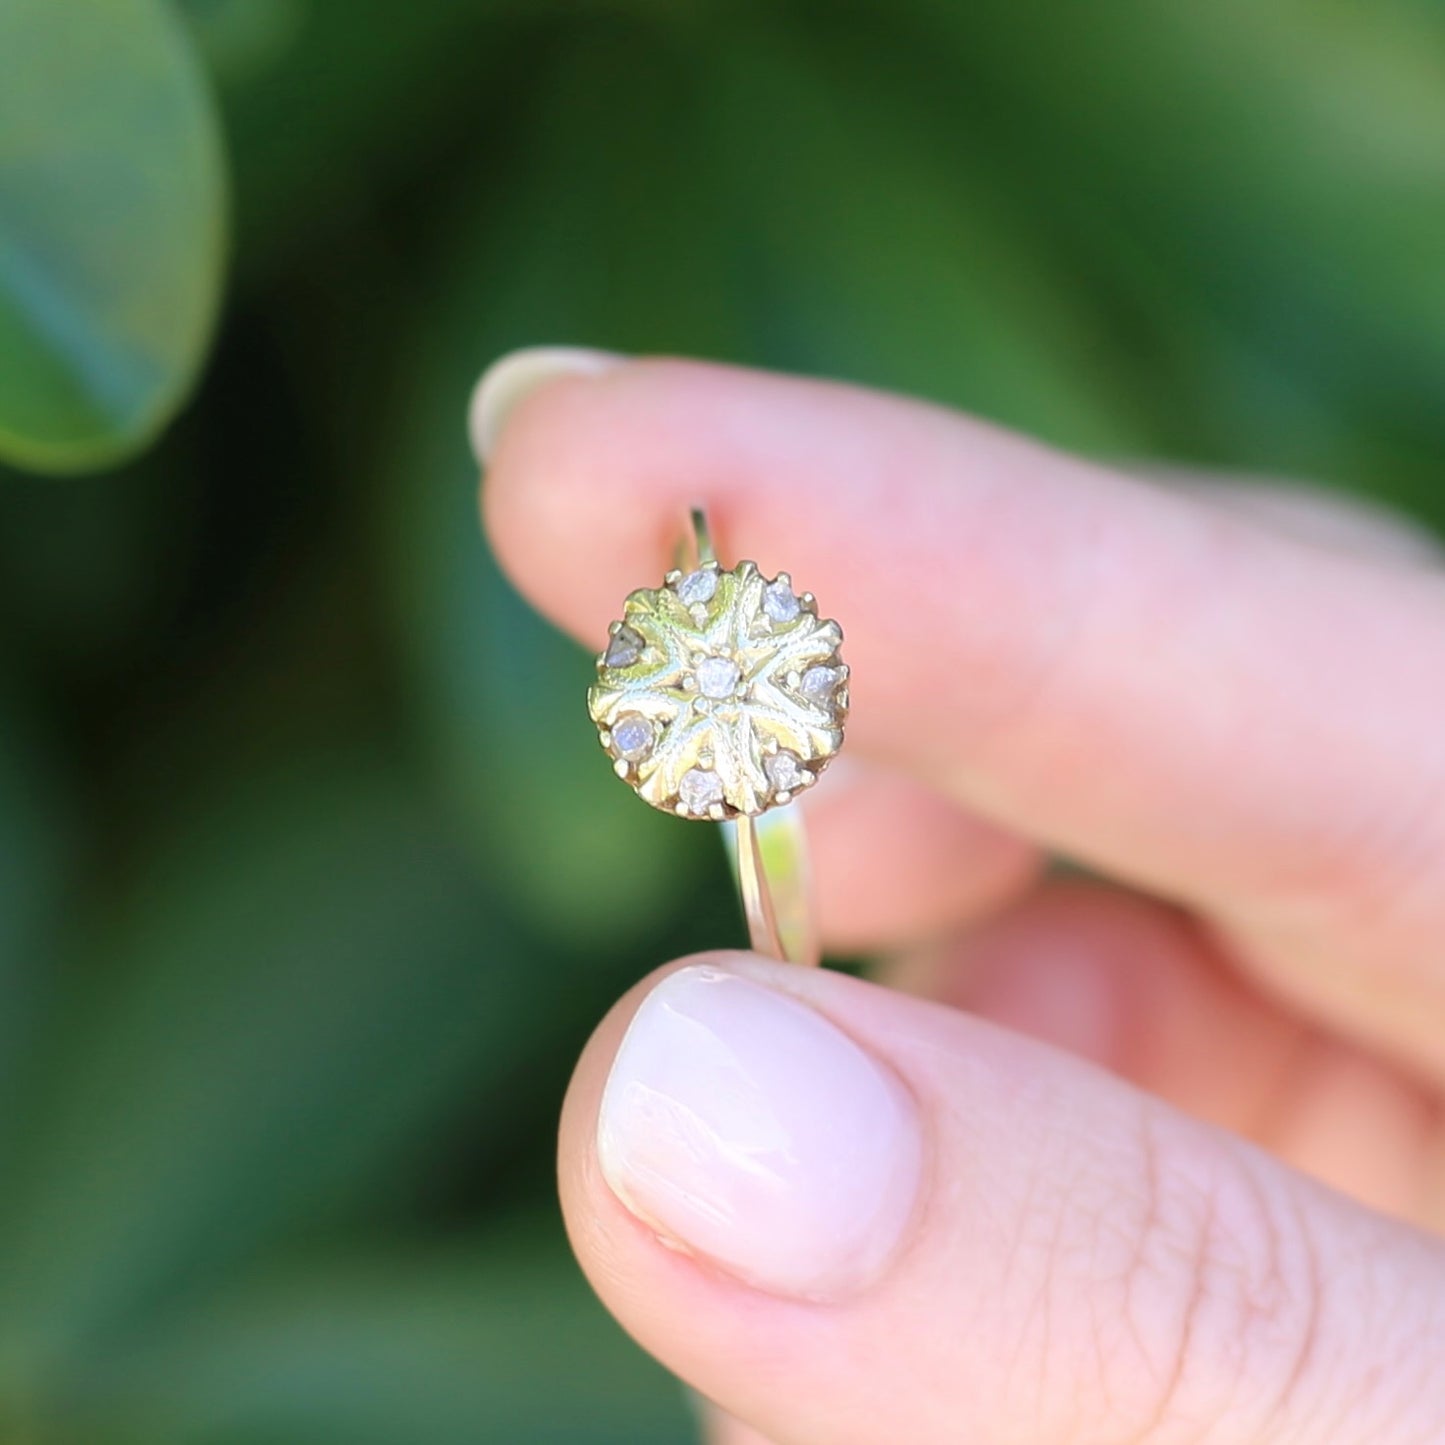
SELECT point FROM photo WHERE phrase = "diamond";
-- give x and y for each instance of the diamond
(625, 648)
(779, 602)
(699, 789)
(698, 586)
(632, 736)
(820, 682)
(785, 771)
(717, 677)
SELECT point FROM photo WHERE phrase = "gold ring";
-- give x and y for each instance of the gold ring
(721, 695)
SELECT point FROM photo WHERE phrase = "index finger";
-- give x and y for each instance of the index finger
(1208, 708)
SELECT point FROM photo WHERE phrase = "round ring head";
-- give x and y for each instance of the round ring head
(721, 692)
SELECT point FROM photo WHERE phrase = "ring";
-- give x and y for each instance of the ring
(721, 695)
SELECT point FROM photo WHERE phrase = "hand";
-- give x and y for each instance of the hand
(1151, 1161)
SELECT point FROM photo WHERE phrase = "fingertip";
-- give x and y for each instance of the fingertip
(744, 1127)
(735, 1339)
(1040, 1180)
(509, 380)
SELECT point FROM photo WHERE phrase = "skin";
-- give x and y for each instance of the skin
(1187, 1157)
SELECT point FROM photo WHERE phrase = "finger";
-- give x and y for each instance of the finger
(854, 1216)
(1139, 989)
(894, 862)
(1204, 707)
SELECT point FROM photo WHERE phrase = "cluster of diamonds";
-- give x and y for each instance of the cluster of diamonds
(721, 692)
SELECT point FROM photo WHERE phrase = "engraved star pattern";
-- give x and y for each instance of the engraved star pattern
(720, 692)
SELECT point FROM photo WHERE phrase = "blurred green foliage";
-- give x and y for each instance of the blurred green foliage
(111, 218)
(291, 972)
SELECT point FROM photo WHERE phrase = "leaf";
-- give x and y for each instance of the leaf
(111, 227)
(283, 1010)
(491, 1343)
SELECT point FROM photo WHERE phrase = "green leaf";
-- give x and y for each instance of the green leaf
(111, 227)
(273, 1019)
(493, 1343)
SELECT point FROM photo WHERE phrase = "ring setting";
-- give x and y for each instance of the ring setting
(722, 694)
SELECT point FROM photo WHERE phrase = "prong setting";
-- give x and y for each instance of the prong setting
(721, 693)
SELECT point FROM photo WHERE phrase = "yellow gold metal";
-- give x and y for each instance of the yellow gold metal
(694, 547)
(770, 861)
(722, 695)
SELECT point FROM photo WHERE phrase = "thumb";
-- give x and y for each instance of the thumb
(849, 1216)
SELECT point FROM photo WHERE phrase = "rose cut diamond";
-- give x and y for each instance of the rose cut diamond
(779, 603)
(632, 736)
(699, 586)
(785, 771)
(699, 789)
(821, 682)
(625, 648)
(717, 677)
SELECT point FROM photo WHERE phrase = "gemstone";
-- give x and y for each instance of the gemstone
(779, 602)
(717, 676)
(699, 789)
(820, 682)
(785, 771)
(698, 586)
(625, 648)
(632, 736)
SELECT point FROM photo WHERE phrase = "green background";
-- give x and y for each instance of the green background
(291, 971)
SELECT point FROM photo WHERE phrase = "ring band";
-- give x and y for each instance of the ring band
(722, 695)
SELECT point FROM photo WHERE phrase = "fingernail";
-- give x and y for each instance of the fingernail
(513, 376)
(745, 1127)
